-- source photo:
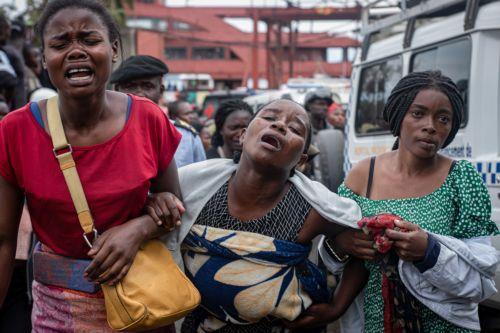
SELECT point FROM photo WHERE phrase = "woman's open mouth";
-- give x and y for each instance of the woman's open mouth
(271, 142)
(80, 75)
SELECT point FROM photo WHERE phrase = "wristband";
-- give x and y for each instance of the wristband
(329, 247)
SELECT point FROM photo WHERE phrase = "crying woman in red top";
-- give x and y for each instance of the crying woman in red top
(123, 147)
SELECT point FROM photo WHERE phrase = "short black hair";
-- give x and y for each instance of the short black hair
(173, 108)
(307, 143)
(405, 91)
(309, 126)
(223, 111)
(96, 7)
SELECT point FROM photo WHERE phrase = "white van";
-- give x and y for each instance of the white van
(464, 46)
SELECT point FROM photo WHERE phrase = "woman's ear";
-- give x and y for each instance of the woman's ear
(114, 47)
(242, 136)
(302, 162)
(44, 63)
(305, 158)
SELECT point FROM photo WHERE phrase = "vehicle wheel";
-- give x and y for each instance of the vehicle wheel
(331, 157)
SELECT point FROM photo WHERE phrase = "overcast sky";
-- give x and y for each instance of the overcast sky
(340, 27)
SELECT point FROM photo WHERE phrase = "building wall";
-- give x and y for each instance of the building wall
(150, 42)
(186, 30)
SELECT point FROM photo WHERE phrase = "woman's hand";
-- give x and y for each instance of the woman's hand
(411, 244)
(165, 209)
(315, 316)
(355, 243)
(114, 251)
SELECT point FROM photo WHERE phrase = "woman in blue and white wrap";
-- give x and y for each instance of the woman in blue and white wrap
(247, 233)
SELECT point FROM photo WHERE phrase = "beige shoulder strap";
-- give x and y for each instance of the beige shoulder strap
(63, 153)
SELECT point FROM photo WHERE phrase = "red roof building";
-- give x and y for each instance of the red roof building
(199, 40)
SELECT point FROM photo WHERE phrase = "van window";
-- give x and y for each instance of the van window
(376, 84)
(452, 59)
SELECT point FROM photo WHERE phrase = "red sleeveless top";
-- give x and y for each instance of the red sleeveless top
(116, 175)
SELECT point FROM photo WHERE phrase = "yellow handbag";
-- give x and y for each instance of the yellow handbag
(155, 292)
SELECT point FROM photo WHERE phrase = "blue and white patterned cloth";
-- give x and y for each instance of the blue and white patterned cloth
(244, 277)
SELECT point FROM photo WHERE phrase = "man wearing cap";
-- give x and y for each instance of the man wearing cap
(329, 141)
(142, 75)
(316, 104)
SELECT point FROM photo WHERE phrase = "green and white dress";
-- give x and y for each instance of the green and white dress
(460, 207)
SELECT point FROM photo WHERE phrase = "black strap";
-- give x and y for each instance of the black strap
(370, 177)
(372, 168)
(452, 166)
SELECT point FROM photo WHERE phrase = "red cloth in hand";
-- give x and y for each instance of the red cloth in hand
(376, 226)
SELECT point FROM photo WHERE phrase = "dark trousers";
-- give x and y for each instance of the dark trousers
(15, 314)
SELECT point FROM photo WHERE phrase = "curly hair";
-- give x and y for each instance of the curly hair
(406, 90)
(224, 110)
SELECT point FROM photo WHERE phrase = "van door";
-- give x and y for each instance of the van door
(368, 133)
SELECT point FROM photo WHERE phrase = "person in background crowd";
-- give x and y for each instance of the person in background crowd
(191, 148)
(231, 118)
(16, 311)
(15, 61)
(182, 110)
(336, 116)
(17, 34)
(142, 75)
(206, 134)
(32, 68)
(107, 131)
(8, 81)
(15, 45)
(198, 119)
(163, 104)
(445, 258)
(316, 103)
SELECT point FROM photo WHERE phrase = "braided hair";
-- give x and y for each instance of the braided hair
(224, 110)
(406, 90)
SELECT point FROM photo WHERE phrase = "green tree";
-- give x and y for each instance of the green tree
(118, 7)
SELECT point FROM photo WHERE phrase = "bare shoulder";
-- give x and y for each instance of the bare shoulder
(445, 161)
(357, 178)
(118, 101)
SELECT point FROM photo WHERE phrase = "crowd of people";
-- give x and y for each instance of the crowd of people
(22, 77)
(228, 198)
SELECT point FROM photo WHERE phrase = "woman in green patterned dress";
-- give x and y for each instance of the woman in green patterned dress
(435, 196)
